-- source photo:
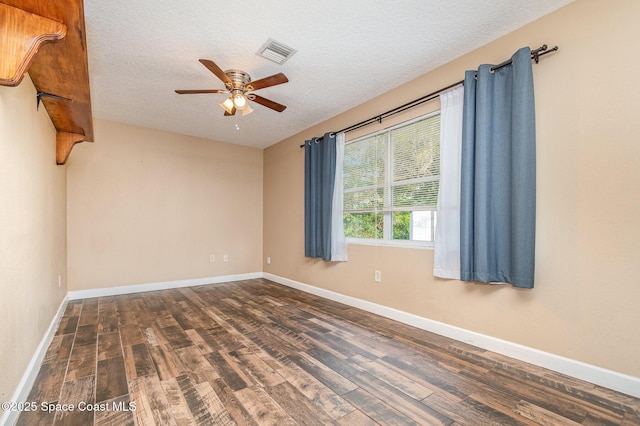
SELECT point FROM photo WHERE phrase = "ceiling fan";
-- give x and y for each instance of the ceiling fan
(239, 86)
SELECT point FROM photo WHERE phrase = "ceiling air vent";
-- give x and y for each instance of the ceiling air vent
(275, 51)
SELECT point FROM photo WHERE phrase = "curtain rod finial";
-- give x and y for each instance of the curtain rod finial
(542, 50)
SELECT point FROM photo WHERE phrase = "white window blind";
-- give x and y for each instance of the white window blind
(363, 174)
(416, 164)
(391, 182)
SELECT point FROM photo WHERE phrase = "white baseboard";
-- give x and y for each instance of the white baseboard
(29, 377)
(163, 285)
(607, 378)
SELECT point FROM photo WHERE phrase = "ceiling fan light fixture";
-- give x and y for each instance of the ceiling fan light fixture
(248, 110)
(239, 88)
(228, 105)
(240, 101)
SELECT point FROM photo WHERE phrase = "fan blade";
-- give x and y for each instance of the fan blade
(216, 70)
(189, 92)
(233, 112)
(268, 103)
(272, 80)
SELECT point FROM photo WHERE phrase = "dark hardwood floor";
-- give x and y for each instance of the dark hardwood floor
(254, 352)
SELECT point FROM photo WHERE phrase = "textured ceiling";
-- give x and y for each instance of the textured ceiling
(348, 52)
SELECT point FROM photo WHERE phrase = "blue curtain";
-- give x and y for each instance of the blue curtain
(498, 176)
(319, 179)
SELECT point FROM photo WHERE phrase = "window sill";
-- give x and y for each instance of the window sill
(429, 245)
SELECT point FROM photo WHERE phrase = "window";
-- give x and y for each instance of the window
(391, 182)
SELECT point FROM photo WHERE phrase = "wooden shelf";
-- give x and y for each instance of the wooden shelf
(48, 40)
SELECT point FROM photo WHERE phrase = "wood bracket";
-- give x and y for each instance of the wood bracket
(21, 34)
(64, 143)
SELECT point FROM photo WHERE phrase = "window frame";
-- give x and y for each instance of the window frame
(387, 211)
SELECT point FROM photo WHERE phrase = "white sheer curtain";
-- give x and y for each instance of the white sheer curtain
(338, 245)
(446, 262)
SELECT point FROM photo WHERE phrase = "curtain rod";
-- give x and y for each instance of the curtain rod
(535, 56)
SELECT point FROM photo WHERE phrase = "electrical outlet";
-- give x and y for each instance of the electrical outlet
(212, 258)
(59, 281)
(225, 258)
(268, 260)
(377, 276)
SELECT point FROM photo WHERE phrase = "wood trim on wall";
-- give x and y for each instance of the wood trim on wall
(21, 35)
(58, 68)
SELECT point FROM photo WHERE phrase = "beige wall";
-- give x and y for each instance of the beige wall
(585, 305)
(148, 206)
(32, 231)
